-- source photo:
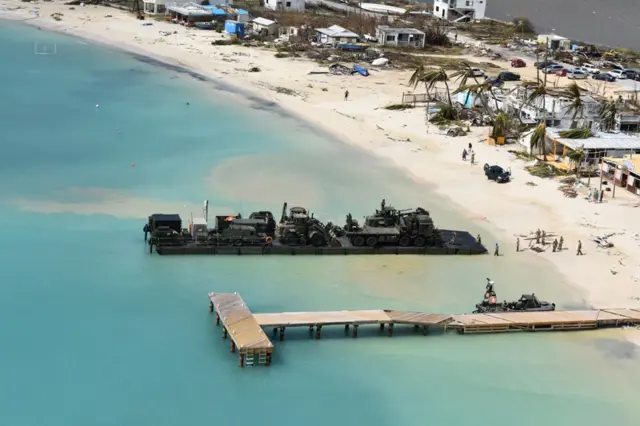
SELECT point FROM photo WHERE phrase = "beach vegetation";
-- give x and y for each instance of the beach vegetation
(501, 126)
(575, 156)
(608, 113)
(574, 93)
(538, 138)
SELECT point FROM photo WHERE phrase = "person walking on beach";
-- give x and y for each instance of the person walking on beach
(473, 156)
(544, 236)
(346, 95)
(595, 195)
(479, 239)
(601, 195)
(464, 155)
(579, 251)
(560, 243)
(497, 250)
(517, 244)
(555, 245)
(455, 38)
(538, 236)
(589, 195)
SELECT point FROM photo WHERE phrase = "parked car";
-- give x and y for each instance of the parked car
(562, 73)
(495, 82)
(508, 76)
(552, 69)
(577, 74)
(617, 74)
(518, 63)
(543, 64)
(630, 74)
(477, 72)
(604, 77)
(591, 69)
(497, 173)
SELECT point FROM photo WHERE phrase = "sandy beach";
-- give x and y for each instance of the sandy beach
(607, 277)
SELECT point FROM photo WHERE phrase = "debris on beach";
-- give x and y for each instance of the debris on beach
(602, 242)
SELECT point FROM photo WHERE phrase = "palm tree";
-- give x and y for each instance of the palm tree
(608, 113)
(418, 77)
(462, 76)
(576, 156)
(538, 138)
(574, 93)
(430, 78)
(539, 91)
(501, 124)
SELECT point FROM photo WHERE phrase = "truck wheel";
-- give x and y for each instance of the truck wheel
(372, 241)
(318, 240)
(358, 241)
(237, 243)
(419, 241)
(404, 241)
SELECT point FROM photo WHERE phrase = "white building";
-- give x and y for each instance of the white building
(153, 7)
(289, 5)
(555, 42)
(459, 10)
(335, 34)
(388, 36)
(554, 110)
(265, 26)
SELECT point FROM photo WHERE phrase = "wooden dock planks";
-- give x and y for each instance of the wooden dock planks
(240, 323)
(246, 328)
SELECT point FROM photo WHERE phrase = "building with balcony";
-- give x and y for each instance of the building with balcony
(388, 36)
(459, 10)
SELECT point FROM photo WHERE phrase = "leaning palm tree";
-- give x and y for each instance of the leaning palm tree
(418, 77)
(501, 124)
(462, 76)
(431, 78)
(576, 156)
(576, 107)
(538, 138)
(609, 111)
(539, 90)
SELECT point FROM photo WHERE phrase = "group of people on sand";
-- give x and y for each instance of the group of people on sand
(471, 153)
(595, 195)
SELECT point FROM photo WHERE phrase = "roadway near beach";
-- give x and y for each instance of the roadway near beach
(607, 277)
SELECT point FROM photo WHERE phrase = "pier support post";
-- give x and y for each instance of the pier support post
(390, 329)
(282, 334)
(382, 327)
(241, 360)
(425, 330)
(275, 332)
(224, 332)
(355, 330)
(310, 330)
(318, 331)
(346, 328)
(233, 347)
(268, 359)
(217, 319)
(210, 306)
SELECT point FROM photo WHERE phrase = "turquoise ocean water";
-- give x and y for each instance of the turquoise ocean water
(94, 331)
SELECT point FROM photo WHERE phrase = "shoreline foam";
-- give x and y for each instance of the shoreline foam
(399, 137)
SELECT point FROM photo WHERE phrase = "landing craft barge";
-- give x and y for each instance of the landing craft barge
(388, 231)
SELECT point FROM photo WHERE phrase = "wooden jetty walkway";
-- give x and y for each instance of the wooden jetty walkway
(245, 329)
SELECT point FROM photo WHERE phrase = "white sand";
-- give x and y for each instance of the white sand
(504, 210)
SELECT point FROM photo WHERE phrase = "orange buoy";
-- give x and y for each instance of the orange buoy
(133, 164)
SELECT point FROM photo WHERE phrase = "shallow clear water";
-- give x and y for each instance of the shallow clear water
(97, 332)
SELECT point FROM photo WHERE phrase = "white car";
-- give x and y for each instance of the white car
(477, 72)
(577, 74)
(591, 69)
(617, 74)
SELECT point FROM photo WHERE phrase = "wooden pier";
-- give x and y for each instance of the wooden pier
(245, 329)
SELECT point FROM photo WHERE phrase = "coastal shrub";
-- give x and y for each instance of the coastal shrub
(281, 55)
(396, 107)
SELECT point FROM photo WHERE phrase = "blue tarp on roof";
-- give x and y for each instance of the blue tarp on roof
(242, 12)
(215, 10)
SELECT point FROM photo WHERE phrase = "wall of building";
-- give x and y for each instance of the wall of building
(290, 5)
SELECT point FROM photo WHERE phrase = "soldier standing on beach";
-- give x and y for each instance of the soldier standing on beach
(517, 244)
(579, 252)
(560, 243)
(497, 251)
(544, 235)
(538, 236)
(555, 245)
(346, 95)
(479, 239)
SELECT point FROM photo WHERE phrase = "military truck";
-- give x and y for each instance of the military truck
(389, 226)
(234, 230)
(298, 229)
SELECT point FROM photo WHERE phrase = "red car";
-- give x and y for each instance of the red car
(562, 73)
(518, 63)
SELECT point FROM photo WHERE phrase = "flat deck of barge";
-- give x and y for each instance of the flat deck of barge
(465, 244)
(245, 329)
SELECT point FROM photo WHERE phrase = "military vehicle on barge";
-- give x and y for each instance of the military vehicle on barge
(526, 303)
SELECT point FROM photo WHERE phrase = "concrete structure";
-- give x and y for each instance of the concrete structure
(245, 329)
(388, 36)
(336, 34)
(154, 7)
(555, 42)
(265, 26)
(623, 172)
(288, 5)
(289, 34)
(460, 10)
